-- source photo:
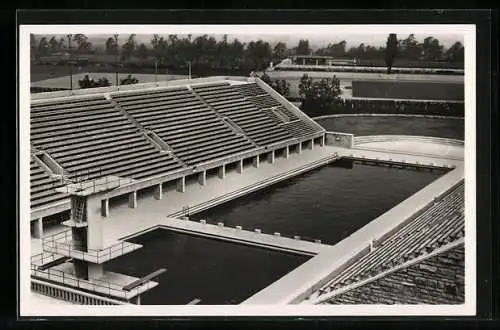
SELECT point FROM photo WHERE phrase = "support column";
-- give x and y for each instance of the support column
(38, 228)
(299, 148)
(322, 141)
(202, 178)
(286, 152)
(105, 207)
(95, 271)
(255, 161)
(181, 184)
(239, 166)
(312, 144)
(270, 157)
(222, 171)
(132, 200)
(159, 191)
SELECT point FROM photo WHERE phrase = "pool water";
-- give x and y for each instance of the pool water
(216, 272)
(328, 203)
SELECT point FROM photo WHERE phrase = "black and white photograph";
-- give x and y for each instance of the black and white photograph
(247, 170)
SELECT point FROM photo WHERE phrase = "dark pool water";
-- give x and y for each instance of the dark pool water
(368, 125)
(328, 203)
(214, 271)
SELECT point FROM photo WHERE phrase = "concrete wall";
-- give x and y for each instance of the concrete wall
(339, 139)
(424, 90)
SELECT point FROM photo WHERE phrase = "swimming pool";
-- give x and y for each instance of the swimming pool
(328, 203)
(214, 271)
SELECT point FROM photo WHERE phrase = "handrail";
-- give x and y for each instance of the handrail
(69, 279)
(63, 243)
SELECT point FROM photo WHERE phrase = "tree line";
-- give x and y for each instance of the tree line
(206, 51)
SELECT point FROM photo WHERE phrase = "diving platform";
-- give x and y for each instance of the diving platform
(96, 186)
(63, 244)
(110, 284)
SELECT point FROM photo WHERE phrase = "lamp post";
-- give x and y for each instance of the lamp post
(189, 70)
(156, 73)
(116, 58)
(70, 67)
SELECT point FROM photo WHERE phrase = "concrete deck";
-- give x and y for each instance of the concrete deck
(243, 236)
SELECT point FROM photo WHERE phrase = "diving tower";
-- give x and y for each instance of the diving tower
(75, 257)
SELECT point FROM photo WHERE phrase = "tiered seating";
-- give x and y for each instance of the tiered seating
(264, 101)
(249, 90)
(257, 125)
(437, 226)
(299, 128)
(42, 186)
(193, 131)
(89, 138)
(436, 280)
(277, 112)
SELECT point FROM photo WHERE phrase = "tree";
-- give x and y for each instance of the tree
(33, 46)
(159, 48)
(455, 53)
(128, 48)
(318, 97)
(280, 85)
(87, 82)
(54, 45)
(43, 46)
(411, 49)
(142, 51)
(82, 43)
(110, 46)
(129, 80)
(303, 48)
(258, 54)
(279, 51)
(391, 51)
(265, 78)
(432, 50)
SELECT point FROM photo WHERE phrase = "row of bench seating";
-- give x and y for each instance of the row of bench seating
(278, 113)
(193, 131)
(89, 138)
(42, 186)
(437, 226)
(257, 125)
(431, 281)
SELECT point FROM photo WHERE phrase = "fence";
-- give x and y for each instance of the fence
(90, 285)
(70, 295)
(63, 244)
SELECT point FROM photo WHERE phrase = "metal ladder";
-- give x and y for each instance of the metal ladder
(80, 205)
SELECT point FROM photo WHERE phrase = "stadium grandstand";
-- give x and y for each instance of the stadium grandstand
(91, 147)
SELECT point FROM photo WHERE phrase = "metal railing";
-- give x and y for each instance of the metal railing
(91, 285)
(63, 244)
(95, 184)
